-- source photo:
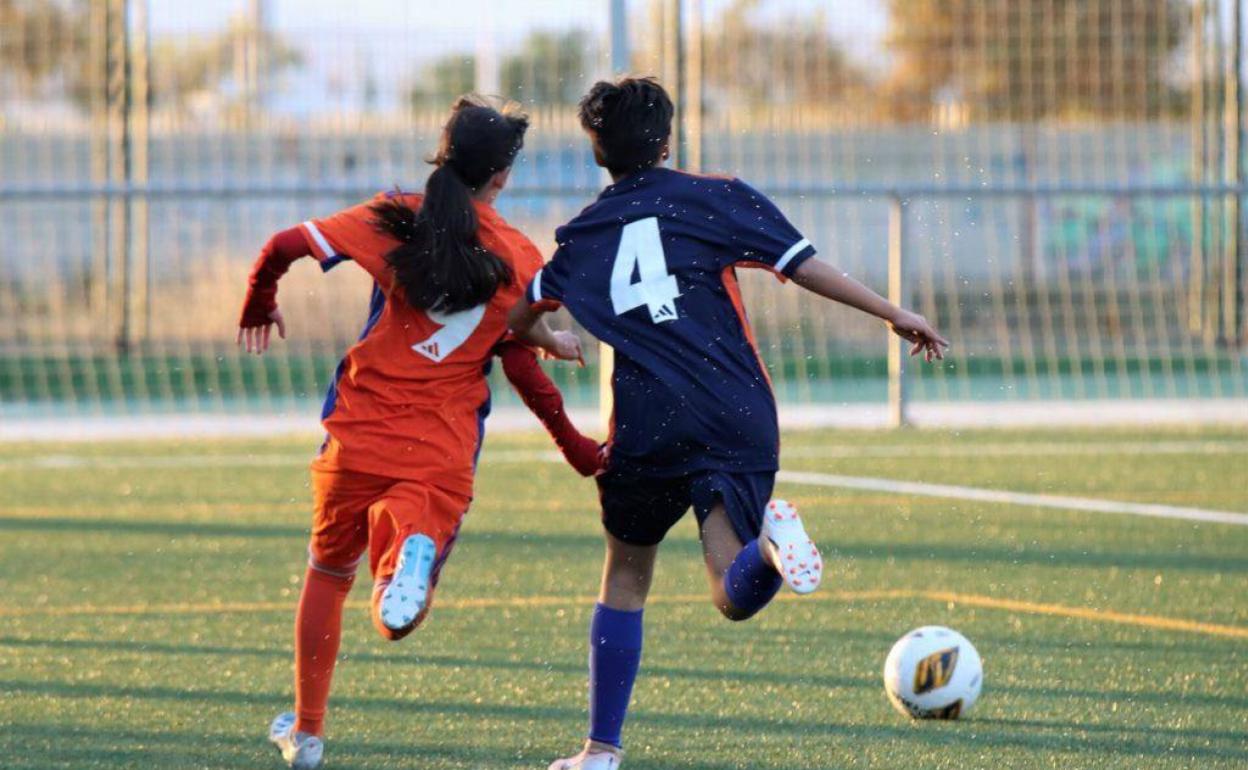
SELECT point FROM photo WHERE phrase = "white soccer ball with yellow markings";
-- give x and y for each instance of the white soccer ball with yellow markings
(933, 672)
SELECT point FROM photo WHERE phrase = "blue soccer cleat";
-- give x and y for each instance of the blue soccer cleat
(406, 596)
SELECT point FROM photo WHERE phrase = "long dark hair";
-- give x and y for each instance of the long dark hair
(440, 262)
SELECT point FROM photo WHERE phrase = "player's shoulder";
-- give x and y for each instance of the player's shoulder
(718, 192)
(722, 187)
(518, 249)
(364, 212)
(398, 196)
(705, 180)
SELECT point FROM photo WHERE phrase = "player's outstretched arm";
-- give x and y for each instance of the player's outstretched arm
(527, 323)
(826, 281)
(543, 398)
(260, 311)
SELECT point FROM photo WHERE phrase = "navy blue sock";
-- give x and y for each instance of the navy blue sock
(614, 656)
(751, 582)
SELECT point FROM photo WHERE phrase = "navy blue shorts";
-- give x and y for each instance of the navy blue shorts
(640, 510)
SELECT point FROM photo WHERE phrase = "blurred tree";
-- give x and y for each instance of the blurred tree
(40, 39)
(213, 67)
(45, 43)
(548, 68)
(1032, 59)
(790, 59)
(443, 80)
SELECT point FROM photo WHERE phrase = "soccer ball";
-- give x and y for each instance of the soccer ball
(933, 672)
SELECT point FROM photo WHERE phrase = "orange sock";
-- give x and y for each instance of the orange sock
(318, 629)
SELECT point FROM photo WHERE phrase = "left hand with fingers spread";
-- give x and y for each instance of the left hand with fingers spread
(260, 312)
(915, 329)
(254, 337)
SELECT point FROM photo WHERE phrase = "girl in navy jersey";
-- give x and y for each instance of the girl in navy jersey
(650, 269)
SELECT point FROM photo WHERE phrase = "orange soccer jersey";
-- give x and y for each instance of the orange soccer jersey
(410, 398)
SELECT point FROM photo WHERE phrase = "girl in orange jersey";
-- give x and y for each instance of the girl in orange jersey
(405, 413)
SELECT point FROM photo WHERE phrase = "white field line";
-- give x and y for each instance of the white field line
(1020, 449)
(866, 483)
(1063, 502)
(18, 426)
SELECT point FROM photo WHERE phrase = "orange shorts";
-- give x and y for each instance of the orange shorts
(357, 512)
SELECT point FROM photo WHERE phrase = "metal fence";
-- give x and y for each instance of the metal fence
(1066, 200)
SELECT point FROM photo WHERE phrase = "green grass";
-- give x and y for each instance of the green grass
(798, 687)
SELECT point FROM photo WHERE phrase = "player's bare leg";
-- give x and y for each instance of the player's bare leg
(720, 547)
(615, 652)
(627, 574)
(744, 577)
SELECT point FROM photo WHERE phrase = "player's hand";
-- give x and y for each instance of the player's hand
(255, 339)
(584, 454)
(565, 346)
(923, 338)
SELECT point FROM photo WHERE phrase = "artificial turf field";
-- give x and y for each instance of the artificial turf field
(147, 592)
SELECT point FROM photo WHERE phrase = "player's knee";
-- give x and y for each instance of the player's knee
(734, 614)
(730, 611)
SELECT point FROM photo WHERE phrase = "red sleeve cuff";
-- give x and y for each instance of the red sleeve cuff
(274, 260)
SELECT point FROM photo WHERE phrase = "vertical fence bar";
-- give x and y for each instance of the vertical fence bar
(257, 67)
(1196, 281)
(691, 98)
(1216, 152)
(898, 388)
(487, 74)
(98, 53)
(619, 37)
(674, 73)
(141, 164)
(1232, 161)
(119, 166)
(1233, 106)
(620, 63)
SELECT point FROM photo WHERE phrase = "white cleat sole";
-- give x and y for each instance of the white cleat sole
(304, 753)
(791, 547)
(596, 761)
(405, 597)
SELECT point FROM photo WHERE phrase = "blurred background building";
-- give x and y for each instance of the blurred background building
(1057, 183)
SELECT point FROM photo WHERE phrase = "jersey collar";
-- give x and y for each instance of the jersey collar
(635, 181)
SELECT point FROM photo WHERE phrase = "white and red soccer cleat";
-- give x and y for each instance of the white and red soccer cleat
(591, 758)
(794, 555)
(300, 750)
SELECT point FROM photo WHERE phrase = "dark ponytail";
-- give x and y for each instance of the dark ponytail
(440, 262)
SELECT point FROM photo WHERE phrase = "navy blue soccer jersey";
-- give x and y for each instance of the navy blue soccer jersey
(650, 269)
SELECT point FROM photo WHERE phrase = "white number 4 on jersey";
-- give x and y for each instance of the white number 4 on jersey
(641, 252)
